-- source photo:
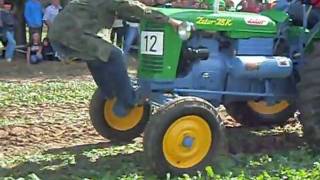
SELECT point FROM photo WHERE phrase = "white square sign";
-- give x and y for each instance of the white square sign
(151, 43)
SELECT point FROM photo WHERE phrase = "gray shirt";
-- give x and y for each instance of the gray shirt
(51, 12)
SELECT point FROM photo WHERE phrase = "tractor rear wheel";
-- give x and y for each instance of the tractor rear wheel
(254, 113)
(309, 96)
(183, 137)
(112, 127)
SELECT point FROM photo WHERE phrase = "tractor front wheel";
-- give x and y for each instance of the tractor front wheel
(309, 105)
(253, 113)
(183, 137)
(112, 127)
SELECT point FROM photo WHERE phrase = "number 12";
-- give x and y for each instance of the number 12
(153, 40)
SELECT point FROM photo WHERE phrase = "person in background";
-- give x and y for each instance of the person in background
(184, 4)
(295, 10)
(51, 12)
(155, 3)
(34, 52)
(2, 32)
(251, 6)
(9, 23)
(132, 33)
(118, 31)
(224, 5)
(33, 13)
(132, 30)
(47, 51)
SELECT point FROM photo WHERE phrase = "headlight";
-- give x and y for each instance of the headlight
(185, 30)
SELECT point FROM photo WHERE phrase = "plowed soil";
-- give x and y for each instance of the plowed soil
(50, 126)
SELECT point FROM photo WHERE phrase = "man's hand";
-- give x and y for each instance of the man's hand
(174, 23)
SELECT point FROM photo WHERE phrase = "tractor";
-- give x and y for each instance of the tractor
(261, 67)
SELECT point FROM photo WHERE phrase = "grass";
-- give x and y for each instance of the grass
(126, 162)
(49, 92)
(69, 100)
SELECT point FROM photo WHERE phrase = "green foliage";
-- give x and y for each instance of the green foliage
(50, 92)
(125, 162)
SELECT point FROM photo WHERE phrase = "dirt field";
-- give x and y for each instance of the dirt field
(45, 130)
(19, 69)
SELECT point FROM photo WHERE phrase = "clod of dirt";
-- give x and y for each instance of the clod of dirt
(37, 131)
(16, 139)
(18, 131)
(3, 134)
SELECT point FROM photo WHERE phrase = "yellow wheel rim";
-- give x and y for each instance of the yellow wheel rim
(122, 123)
(263, 108)
(187, 141)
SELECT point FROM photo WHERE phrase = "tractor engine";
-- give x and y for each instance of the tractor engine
(231, 65)
(255, 59)
(252, 58)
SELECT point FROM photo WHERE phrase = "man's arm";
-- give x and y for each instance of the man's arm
(134, 9)
(46, 17)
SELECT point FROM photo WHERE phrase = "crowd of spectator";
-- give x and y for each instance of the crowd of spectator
(36, 17)
(124, 34)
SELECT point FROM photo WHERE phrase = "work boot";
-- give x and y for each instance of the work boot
(122, 110)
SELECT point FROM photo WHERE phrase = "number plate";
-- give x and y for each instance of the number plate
(151, 43)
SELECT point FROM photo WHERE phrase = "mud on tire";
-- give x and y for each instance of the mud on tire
(245, 115)
(160, 154)
(100, 123)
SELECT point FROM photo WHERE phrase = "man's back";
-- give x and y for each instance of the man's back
(89, 15)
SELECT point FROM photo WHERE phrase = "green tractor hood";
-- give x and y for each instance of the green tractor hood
(234, 24)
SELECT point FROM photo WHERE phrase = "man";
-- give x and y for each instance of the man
(132, 33)
(1, 4)
(51, 12)
(2, 32)
(8, 24)
(315, 3)
(33, 15)
(118, 31)
(74, 34)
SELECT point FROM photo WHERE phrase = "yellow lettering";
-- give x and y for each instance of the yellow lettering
(204, 21)
(229, 22)
(216, 22)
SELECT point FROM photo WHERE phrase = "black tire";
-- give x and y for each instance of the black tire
(97, 116)
(309, 100)
(165, 117)
(245, 115)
